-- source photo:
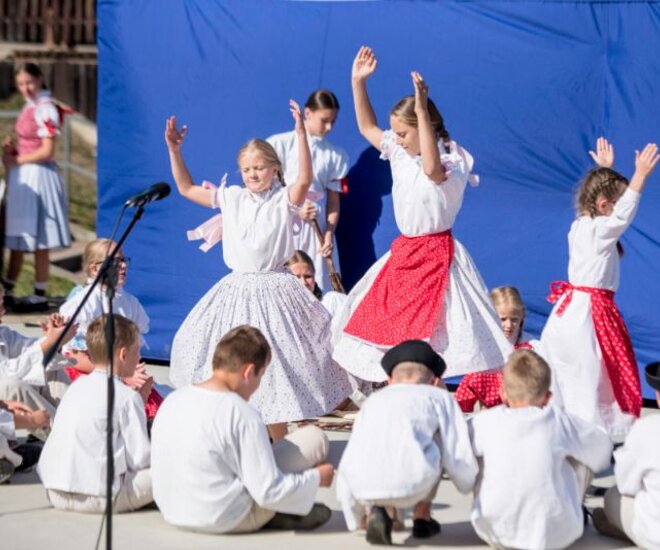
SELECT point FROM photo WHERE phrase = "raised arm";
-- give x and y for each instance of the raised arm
(428, 141)
(364, 65)
(645, 162)
(298, 191)
(174, 140)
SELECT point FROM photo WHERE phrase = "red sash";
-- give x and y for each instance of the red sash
(613, 339)
(406, 298)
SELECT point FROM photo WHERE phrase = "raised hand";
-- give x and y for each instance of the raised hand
(421, 92)
(364, 64)
(604, 154)
(646, 160)
(173, 136)
(297, 116)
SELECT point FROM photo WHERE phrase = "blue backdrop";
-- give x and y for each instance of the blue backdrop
(527, 87)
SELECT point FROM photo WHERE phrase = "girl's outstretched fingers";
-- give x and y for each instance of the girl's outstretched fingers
(297, 115)
(421, 91)
(173, 136)
(364, 64)
(604, 154)
(647, 160)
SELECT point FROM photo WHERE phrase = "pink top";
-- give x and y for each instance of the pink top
(38, 119)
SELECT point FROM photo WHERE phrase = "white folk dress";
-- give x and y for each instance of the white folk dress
(330, 166)
(302, 380)
(468, 334)
(37, 212)
(580, 381)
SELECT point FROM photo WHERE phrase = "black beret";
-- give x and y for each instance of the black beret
(653, 375)
(416, 351)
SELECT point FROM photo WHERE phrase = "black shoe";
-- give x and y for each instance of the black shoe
(30, 304)
(379, 527)
(319, 514)
(585, 516)
(425, 528)
(30, 453)
(6, 470)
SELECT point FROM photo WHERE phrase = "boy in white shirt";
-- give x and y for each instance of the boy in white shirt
(535, 462)
(22, 375)
(214, 469)
(632, 506)
(73, 463)
(404, 436)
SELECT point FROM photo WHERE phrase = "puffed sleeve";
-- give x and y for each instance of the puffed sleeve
(339, 170)
(48, 119)
(387, 145)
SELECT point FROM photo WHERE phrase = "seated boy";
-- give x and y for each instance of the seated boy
(533, 462)
(213, 467)
(404, 436)
(632, 506)
(73, 463)
(22, 375)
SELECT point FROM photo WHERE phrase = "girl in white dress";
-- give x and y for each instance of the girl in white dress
(329, 167)
(302, 381)
(585, 340)
(37, 216)
(427, 286)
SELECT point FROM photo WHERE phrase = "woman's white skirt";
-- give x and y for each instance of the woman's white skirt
(302, 380)
(468, 334)
(37, 213)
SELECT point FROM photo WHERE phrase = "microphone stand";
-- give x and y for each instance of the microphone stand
(107, 275)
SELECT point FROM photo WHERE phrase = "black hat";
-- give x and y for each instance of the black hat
(653, 375)
(416, 351)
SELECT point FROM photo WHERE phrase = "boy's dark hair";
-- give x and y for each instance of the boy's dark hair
(241, 345)
(126, 335)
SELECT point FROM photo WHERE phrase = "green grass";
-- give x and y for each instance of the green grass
(24, 286)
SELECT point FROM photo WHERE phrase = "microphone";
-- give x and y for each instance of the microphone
(156, 192)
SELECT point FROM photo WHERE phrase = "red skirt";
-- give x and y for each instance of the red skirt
(613, 340)
(407, 296)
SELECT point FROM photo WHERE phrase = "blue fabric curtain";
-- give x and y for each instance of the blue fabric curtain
(526, 87)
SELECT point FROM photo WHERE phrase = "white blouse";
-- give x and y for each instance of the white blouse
(422, 207)
(593, 257)
(257, 228)
(329, 162)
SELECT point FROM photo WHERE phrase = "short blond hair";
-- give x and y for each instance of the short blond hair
(241, 345)
(414, 371)
(127, 334)
(526, 376)
(95, 252)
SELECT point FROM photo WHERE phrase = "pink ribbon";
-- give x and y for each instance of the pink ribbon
(211, 230)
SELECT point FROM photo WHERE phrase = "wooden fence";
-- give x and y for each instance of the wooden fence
(49, 22)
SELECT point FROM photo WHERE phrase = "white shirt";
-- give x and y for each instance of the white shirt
(529, 495)
(257, 228)
(422, 207)
(593, 257)
(211, 458)
(21, 357)
(403, 437)
(74, 455)
(333, 302)
(124, 304)
(637, 473)
(329, 162)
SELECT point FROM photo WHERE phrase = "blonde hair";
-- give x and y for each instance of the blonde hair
(405, 111)
(241, 345)
(96, 251)
(526, 376)
(599, 182)
(268, 153)
(413, 371)
(127, 334)
(507, 295)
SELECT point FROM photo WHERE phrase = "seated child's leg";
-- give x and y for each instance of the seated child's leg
(57, 382)
(135, 491)
(584, 475)
(620, 510)
(302, 449)
(13, 389)
(278, 431)
(74, 502)
(255, 520)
